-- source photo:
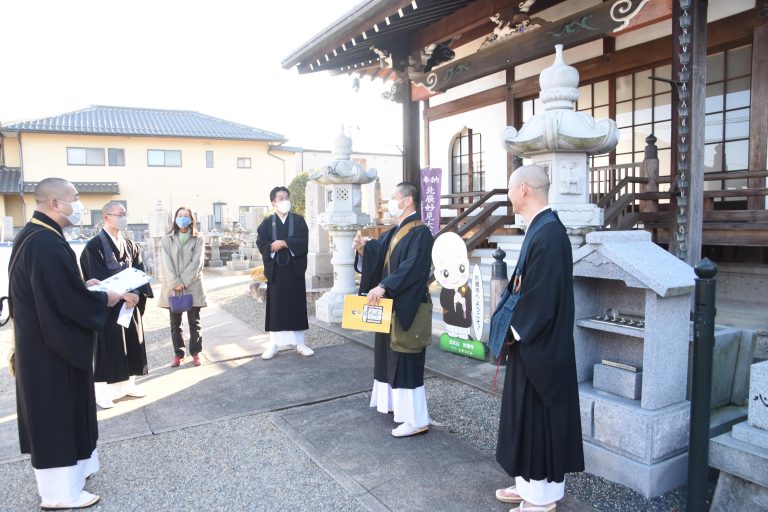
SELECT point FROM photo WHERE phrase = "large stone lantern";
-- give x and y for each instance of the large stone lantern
(560, 140)
(342, 218)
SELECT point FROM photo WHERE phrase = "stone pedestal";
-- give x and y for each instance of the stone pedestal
(319, 271)
(742, 454)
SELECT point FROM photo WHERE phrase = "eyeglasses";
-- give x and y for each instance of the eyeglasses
(117, 214)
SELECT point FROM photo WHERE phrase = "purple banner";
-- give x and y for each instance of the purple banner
(430, 198)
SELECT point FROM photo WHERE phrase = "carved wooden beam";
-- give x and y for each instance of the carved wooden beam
(580, 28)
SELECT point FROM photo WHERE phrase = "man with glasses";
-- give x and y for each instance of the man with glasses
(120, 352)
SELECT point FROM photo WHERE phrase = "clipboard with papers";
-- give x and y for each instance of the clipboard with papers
(362, 317)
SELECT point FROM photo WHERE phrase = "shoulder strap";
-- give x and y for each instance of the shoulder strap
(399, 236)
(520, 266)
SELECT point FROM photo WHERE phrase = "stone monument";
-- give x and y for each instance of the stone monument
(158, 226)
(742, 454)
(319, 271)
(342, 218)
(632, 336)
(560, 140)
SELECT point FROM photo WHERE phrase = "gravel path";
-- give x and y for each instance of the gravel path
(247, 464)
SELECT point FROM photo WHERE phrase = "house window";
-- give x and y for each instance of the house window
(116, 157)
(467, 173)
(164, 158)
(209, 159)
(593, 100)
(85, 156)
(243, 163)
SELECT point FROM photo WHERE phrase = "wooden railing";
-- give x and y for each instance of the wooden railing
(475, 220)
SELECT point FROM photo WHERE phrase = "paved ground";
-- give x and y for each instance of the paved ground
(294, 433)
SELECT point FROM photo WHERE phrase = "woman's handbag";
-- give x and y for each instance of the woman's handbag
(180, 302)
(418, 336)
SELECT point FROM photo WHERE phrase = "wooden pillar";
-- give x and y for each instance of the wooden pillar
(698, 98)
(425, 121)
(758, 116)
(411, 168)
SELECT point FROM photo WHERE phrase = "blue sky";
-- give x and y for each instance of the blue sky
(218, 58)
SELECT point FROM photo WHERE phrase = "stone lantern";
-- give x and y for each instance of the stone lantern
(342, 218)
(560, 140)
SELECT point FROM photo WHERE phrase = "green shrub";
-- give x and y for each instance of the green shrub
(298, 196)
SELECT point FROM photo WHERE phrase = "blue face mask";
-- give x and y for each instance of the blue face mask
(183, 222)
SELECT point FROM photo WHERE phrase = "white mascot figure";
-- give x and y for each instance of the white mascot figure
(449, 256)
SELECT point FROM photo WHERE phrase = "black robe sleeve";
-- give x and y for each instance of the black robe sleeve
(543, 317)
(370, 271)
(57, 284)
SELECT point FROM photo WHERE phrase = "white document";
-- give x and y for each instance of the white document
(125, 281)
(126, 313)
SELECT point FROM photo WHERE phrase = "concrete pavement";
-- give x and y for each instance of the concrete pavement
(319, 408)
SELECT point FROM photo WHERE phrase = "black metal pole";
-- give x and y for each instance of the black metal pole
(701, 388)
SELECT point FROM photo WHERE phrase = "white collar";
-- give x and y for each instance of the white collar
(115, 240)
(546, 207)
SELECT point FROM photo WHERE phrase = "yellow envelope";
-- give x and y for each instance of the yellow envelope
(359, 315)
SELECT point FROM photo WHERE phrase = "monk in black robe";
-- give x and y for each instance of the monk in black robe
(540, 424)
(283, 241)
(54, 317)
(398, 377)
(120, 352)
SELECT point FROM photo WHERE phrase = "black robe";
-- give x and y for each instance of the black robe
(540, 423)
(453, 313)
(119, 352)
(405, 283)
(54, 318)
(286, 288)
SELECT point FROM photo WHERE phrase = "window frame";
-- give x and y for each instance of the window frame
(120, 162)
(164, 152)
(86, 151)
(244, 160)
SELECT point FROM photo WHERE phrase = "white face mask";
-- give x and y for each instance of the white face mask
(120, 223)
(393, 207)
(77, 212)
(284, 206)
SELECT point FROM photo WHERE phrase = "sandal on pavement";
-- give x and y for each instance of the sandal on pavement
(508, 495)
(530, 507)
(85, 500)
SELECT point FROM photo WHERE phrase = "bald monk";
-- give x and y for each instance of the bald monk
(55, 317)
(540, 424)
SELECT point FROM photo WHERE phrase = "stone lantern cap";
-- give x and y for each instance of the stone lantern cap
(342, 170)
(559, 127)
(632, 257)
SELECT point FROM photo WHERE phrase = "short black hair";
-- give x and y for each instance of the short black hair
(408, 189)
(275, 190)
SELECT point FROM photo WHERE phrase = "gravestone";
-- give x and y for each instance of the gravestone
(319, 270)
(742, 454)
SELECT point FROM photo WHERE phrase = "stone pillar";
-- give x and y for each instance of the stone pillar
(319, 271)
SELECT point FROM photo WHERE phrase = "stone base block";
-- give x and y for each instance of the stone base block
(617, 381)
(722, 419)
(215, 263)
(647, 479)
(733, 493)
(756, 436)
(318, 282)
(738, 458)
(237, 265)
(621, 425)
(330, 307)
